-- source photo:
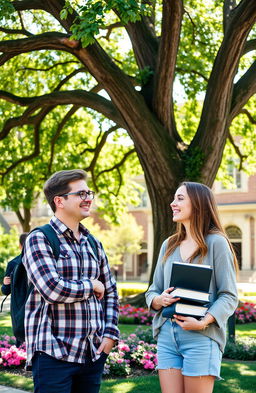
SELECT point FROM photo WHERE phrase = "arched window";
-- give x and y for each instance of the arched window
(234, 232)
(235, 235)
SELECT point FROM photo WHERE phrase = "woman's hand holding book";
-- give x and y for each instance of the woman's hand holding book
(164, 300)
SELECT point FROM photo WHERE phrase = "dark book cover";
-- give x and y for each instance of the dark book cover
(187, 310)
(191, 276)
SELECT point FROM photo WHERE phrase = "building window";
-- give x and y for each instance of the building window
(235, 236)
(234, 175)
(7, 209)
(142, 198)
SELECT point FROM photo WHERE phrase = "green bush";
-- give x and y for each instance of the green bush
(243, 348)
(123, 292)
(9, 248)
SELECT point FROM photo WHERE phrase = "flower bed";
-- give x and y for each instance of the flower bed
(135, 315)
(131, 353)
(10, 355)
(246, 313)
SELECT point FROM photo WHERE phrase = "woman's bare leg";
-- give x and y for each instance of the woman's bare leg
(202, 384)
(171, 381)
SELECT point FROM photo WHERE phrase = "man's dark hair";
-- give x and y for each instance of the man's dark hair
(22, 238)
(58, 184)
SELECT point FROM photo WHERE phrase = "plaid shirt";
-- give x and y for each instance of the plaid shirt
(63, 316)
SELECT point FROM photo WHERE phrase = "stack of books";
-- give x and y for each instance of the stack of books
(191, 284)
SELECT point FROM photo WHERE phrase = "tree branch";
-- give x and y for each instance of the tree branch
(68, 115)
(166, 62)
(72, 97)
(228, 6)
(244, 89)
(15, 31)
(19, 215)
(249, 46)
(51, 40)
(144, 43)
(68, 77)
(110, 28)
(118, 165)
(195, 72)
(37, 121)
(29, 5)
(241, 156)
(99, 146)
(49, 68)
(250, 117)
(114, 167)
(213, 130)
(20, 121)
(96, 152)
(53, 7)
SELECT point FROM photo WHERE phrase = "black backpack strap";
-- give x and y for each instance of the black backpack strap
(93, 245)
(2, 304)
(52, 237)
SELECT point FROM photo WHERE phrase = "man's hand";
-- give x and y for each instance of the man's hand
(106, 345)
(98, 289)
(7, 280)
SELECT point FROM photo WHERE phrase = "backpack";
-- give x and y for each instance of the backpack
(21, 288)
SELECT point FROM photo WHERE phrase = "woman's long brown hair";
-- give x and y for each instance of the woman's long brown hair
(204, 221)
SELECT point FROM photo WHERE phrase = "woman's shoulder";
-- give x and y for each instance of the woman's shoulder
(216, 239)
(164, 245)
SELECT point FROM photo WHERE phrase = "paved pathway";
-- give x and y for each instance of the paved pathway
(7, 389)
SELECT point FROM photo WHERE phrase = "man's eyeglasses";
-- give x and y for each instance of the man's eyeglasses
(83, 194)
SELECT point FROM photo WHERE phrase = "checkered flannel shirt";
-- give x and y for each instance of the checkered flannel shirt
(63, 316)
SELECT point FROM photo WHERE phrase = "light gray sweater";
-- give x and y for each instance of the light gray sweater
(223, 298)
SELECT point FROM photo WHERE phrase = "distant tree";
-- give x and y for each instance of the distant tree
(9, 248)
(119, 240)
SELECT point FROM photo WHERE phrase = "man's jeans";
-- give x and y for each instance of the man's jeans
(57, 376)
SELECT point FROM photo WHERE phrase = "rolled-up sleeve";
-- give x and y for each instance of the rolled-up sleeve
(225, 277)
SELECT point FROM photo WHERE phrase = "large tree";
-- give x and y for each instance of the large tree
(169, 38)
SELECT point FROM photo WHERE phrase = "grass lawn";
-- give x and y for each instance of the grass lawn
(248, 329)
(5, 324)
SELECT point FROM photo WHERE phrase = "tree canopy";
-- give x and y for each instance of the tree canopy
(125, 59)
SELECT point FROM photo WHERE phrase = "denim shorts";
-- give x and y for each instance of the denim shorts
(188, 350)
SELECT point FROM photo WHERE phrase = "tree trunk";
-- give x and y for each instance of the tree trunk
(25, 219)
(124, 266)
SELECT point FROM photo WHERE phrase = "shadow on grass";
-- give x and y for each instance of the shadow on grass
(131, 385)
(16, 381)
(238, 378)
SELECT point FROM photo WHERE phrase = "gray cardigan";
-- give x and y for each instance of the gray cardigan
(223, 289)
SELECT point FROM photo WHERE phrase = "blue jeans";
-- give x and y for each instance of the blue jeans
(57, 376)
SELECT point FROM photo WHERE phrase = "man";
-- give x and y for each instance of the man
(6, 287)
(68, 332)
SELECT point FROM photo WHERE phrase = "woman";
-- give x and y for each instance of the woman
(190, 350)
